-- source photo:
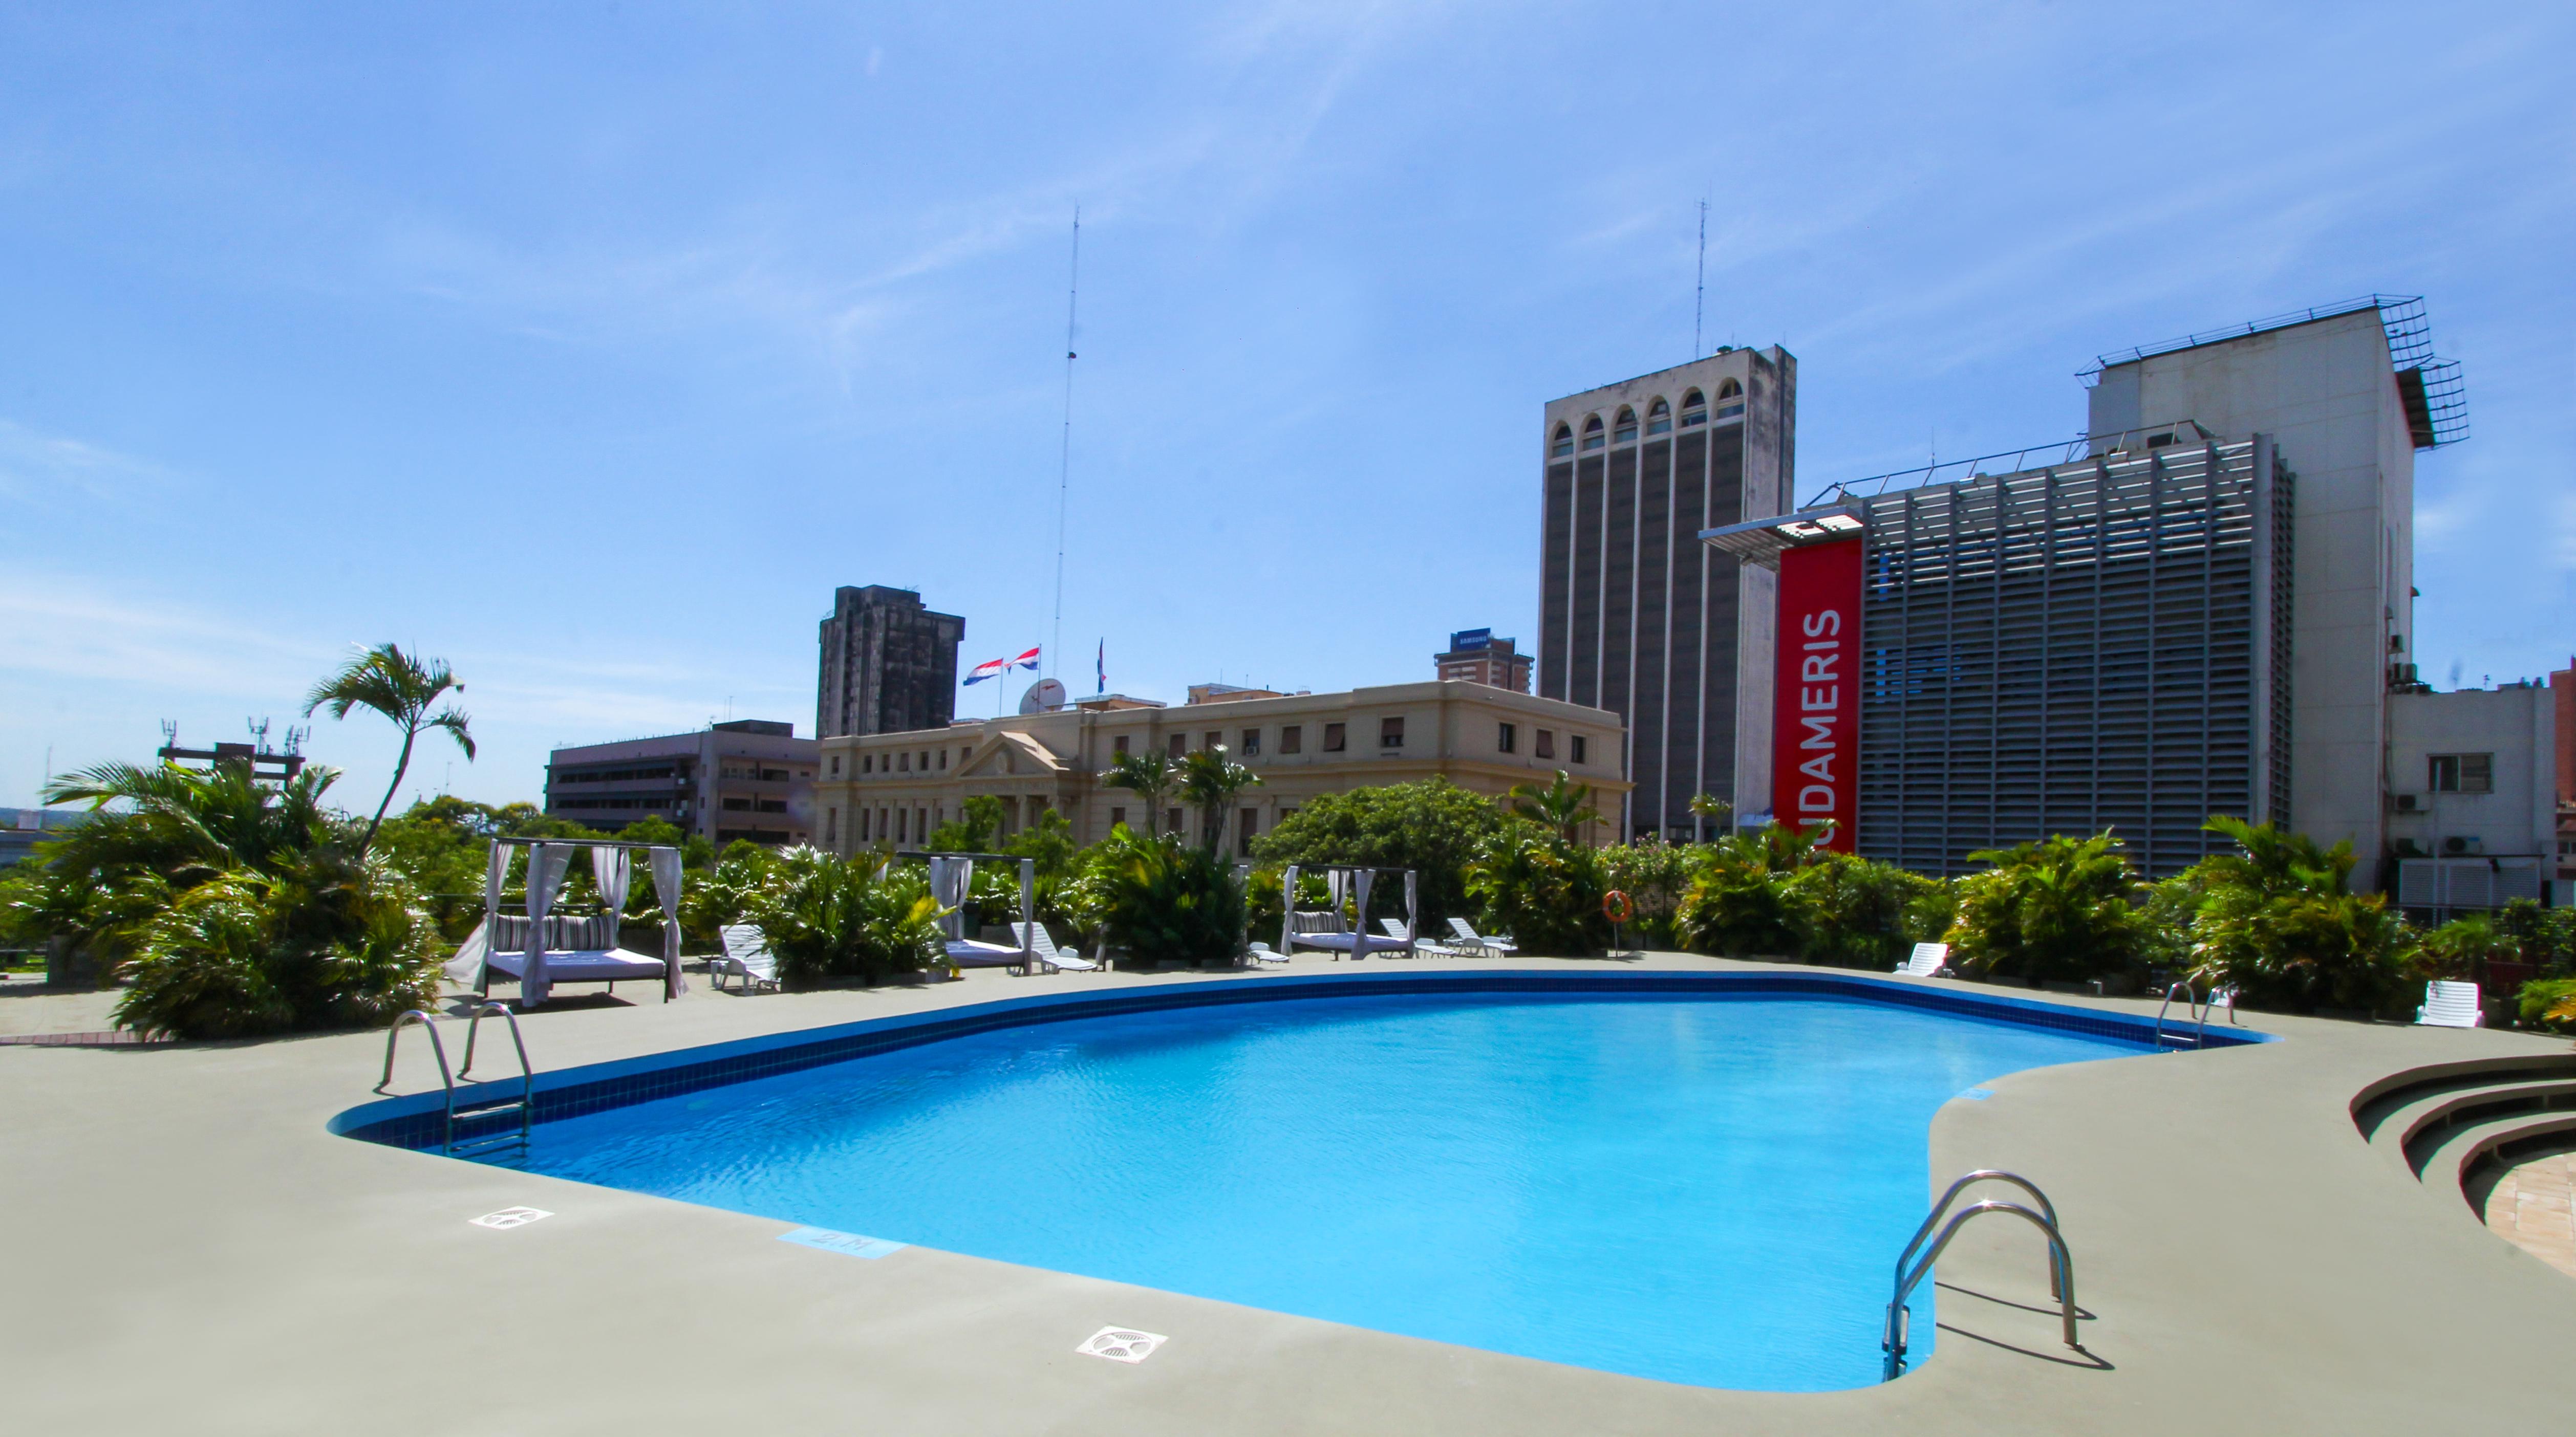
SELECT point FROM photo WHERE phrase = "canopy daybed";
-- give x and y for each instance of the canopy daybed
(540, 948)
(952, 879)
(1325, 928)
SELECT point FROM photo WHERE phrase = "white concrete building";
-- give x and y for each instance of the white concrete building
(2473, 810)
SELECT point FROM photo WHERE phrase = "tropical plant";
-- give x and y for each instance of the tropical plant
(1654, 875)
(2542, 937)
(979, 818)
(327, 940)
(1209, 781)
(2274, 920)
(2060, 909)
(826, 917)
(1148, 775)
(1166, 901)
(1541, 889)
(1853, 912)
(2549, 1004)
(1563, 807)
(726, 894)
(2461, 948)
(402, 688)
(1739, 902)
(1434, 828)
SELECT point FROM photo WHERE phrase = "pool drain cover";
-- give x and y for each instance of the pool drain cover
(510, 1217)
(1122, 1344)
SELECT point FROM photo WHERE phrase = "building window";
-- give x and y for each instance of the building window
(831, 825)
(1117, 816)
(1214, 741)
(1333, 739)
(1118, 744)
(1179, 744)
(1729, 389)
(1504, 738)
(943, 760)
(1252, 743)
(1390, 733)
(1730, 400)
(1659, 418)
(2462, 773)
(1547, 743)
(1562, 446)
(836, 765)
(907, 763)
(1592, 436)
(1626, 433)
(1171, 820)
(863, 826)
(1292, 738)
(867, 763)
(925, 759)
(1694, 409)
(902, 822)
(1580, 745)
(1285, 814)
(1244, 819)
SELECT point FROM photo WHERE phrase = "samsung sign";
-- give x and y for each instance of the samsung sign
(1815, 728)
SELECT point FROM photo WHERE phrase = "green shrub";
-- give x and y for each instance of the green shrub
(1654, 876)
(2058, 910)
(1541, 890)
(1741, 902)
(1434, 827)
(2461, 948)
(1166, 900)
(1853, 912)
(865, 917)
(2545, 937)
(2549, 1004)
(2274, 920)
(330, 943)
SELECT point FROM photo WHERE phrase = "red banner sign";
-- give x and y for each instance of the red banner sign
(1815, 729)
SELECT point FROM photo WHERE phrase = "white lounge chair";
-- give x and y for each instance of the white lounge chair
(2450, 1004)
(1927, 961)
(1423, 944)
(746, 956)
(1261, 953)
(1049, 956)
(1501, 947)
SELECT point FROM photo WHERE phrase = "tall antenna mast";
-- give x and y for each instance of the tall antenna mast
(1699, 295)
(1064, 456)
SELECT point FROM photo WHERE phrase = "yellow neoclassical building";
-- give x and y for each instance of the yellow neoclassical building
(894, 788)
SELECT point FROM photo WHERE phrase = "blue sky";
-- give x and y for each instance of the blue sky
(591, 347)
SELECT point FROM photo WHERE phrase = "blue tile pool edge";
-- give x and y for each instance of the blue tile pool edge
(417, 1121)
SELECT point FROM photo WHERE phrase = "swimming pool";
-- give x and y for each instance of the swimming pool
(1705, 1184)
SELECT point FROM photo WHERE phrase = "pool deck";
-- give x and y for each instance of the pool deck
(192, 1251)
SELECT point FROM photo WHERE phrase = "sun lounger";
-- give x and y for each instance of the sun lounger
(1261, 953)
(1500, 947)
(746, 956)
(1051, 957)
(1436, 949)
(1927, 961)
(2450, 1004)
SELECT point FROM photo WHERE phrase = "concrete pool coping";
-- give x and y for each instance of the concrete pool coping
(195, 1249)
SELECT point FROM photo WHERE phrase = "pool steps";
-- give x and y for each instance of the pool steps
(2445, 1125)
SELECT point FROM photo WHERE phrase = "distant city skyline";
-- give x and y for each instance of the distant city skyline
(588, 352)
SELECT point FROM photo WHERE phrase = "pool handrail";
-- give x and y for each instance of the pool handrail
(1893, 1338)
(2193, 1005)
(526, 1102)
(1998, 1175)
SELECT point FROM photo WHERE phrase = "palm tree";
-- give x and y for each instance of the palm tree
(1712, 808)
(402, 688)
(1149, 776)
(1210, 780)
(1564, 805)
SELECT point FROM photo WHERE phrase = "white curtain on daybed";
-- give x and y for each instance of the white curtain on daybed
(546, 865)
(666, 887)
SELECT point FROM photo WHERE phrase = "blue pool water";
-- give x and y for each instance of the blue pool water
(1710, 1192)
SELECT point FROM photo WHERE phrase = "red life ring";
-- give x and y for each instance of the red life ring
(1615, 907)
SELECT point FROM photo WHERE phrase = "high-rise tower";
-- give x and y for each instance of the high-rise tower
(1636, 615)
(889, 665)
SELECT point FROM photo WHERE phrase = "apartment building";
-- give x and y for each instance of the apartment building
(749, 779)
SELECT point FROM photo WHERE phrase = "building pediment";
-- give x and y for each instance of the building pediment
(1012, 755)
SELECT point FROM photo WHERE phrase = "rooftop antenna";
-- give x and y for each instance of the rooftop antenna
(1064, 454)
(258, 734)
(1699, 294)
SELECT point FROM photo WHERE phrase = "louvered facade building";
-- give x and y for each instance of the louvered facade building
(2098, 644)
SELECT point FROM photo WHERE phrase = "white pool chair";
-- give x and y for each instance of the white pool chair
(1927, 961)
(2450, 1004)
(746, 956)
(1394, 928)
(1261, 953)
(1500, 947)
(1049, 956)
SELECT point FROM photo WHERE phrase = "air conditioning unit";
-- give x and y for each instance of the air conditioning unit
(2461, 846)
(2406, 802)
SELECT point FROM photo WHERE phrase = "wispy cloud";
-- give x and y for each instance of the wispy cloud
(40, 468)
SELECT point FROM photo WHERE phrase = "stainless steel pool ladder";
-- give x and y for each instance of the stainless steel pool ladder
(525, 1105)
(2061, 1266)
(2198, 1010)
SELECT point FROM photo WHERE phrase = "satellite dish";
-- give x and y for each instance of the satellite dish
(1043, 696)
